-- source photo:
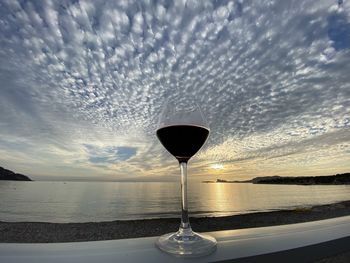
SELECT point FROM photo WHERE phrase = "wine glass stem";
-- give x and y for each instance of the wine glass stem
(185, 223)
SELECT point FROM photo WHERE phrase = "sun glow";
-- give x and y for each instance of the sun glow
(217, 166)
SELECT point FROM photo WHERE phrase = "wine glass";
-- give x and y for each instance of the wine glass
(182, 130)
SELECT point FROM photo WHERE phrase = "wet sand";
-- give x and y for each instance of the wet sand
(36, 232)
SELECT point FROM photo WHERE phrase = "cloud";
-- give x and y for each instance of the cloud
(269, 75)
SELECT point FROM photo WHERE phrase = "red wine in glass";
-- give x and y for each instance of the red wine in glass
(182, 141)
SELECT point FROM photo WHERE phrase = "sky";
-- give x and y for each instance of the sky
(83, 83)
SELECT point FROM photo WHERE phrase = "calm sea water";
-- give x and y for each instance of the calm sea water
(106, 201)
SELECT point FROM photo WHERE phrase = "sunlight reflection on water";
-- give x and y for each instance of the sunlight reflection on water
(101, 201)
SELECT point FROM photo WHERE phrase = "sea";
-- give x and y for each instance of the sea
(64, 202)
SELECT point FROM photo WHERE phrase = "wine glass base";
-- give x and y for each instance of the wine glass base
(186, 243)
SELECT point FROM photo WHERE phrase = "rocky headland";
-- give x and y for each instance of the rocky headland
(12, 176)
(338, 179)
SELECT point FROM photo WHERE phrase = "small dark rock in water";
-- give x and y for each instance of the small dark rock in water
(9, 175)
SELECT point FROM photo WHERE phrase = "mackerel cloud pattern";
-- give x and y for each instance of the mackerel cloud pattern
(83, 84)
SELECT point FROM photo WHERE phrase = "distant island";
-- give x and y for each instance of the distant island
(9, 175)
(337, 179)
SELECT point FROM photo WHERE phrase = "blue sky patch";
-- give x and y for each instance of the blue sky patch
(110, 154)
(339, 31)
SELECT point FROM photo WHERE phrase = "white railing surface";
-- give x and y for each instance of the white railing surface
(301, 242)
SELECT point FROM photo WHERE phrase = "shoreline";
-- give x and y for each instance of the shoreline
(39, 232)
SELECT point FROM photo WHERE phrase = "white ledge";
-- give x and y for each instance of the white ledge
(232, 245)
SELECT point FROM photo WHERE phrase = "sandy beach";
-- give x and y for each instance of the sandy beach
(37, 232)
